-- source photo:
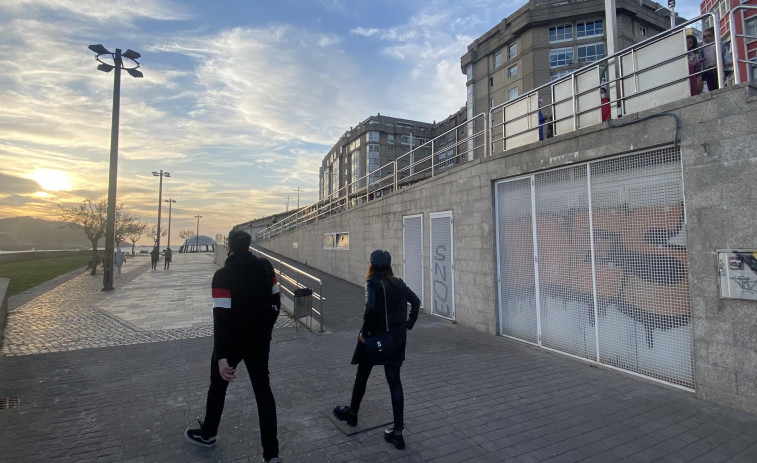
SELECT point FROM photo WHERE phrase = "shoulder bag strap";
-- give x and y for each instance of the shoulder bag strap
(386, 312)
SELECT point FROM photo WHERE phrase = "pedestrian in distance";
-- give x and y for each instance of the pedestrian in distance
(119, 258)
(154, 256)
(167, 259)
(386, 299)
(246, 304)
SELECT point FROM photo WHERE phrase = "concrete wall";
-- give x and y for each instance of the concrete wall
(718, 139)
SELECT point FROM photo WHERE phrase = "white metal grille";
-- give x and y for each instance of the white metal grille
(642, 272)
(610, 281)
(564, 256)
(412, 253)
(515, 249)
(442, 282)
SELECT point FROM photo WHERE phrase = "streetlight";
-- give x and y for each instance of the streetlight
(160, 174)
(197, 236)
(110, 224)
(170, 202)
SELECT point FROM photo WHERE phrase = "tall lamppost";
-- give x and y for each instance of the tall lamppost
(110, 223)
(160, 174)
(197, 236)
(170, 202)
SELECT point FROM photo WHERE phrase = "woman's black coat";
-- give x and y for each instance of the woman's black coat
(398, 295)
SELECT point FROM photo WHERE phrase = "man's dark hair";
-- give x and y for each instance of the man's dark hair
(239, 241)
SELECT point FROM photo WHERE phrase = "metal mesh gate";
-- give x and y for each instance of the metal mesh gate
(608, 280)
(412, 253)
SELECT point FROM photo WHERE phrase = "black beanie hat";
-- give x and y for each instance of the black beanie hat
(381, 258)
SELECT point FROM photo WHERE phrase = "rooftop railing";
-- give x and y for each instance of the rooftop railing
(650, 73)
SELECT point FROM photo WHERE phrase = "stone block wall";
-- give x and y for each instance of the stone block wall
(718, 141)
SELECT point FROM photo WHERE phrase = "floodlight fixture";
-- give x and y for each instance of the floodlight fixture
(131, 54)
(110, 223)
(99, 49)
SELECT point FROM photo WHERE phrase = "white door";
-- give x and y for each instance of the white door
(412, 253)
(441, 266)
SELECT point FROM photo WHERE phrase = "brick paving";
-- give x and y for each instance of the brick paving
(469, 397)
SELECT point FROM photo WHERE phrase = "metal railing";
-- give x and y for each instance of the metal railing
(645, 75)
(462, 143)
(290, 277)
(744, 53)
(649, 73)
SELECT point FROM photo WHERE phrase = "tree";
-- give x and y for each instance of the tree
(186, 234)
(127, 225)
(152, 234)
(90, 216)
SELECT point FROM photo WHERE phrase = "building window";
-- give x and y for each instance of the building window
(590, 29)
(751, 29)
(498, 60)
(512, 71)
(491, 81)
(469, 72)
(491, 103)
(642, 31)
(512, 51)
(356, 168)
(405, 140)
(560, 57)
(559, 74)
(373, 162)
(390, 150)
(372, 136)
(590, 53)
(561, 33)
(390, 138)
(512, 94)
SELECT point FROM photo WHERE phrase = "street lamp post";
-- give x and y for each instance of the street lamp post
(197, 236)
(110, 224)
(170, 202)
(160, 174)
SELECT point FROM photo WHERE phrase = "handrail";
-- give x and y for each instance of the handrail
(736, 59)
(575, 95)
(516, 127)
(295, 281)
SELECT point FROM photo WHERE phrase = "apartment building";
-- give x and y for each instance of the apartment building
(547, 39)
(375, 142)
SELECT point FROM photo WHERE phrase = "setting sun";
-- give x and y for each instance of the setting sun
(52, 180)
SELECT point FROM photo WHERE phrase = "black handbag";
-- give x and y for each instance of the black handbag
(379, 347)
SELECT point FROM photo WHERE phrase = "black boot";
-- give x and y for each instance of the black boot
(394, 438)
(345, 414)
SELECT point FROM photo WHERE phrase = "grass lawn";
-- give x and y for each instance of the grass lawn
(29, 273)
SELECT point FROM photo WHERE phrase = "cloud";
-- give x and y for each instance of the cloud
(123, 11)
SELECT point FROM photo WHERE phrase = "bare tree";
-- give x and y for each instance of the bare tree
(186, 234)
(90, 216)
(128, 225)
(152, 233)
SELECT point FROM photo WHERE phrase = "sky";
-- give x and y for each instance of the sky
(240, 100)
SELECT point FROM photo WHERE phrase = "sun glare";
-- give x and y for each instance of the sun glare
(52, 180)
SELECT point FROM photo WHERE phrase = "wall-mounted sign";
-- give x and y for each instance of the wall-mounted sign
(737, 270)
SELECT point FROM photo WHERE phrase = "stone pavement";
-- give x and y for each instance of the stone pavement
(101, 377)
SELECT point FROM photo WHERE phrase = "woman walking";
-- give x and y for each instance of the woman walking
(386, 299)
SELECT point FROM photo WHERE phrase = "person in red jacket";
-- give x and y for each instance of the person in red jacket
(606, 111)
(246, 304)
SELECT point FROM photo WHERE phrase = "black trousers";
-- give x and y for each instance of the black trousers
(392, 372)
(256, 361)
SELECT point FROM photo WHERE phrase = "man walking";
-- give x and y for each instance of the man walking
(154, 256)
(246, 304)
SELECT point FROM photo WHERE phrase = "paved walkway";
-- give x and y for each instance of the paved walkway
(118, 376)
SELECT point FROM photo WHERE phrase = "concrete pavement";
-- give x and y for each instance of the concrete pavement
(119, 376)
